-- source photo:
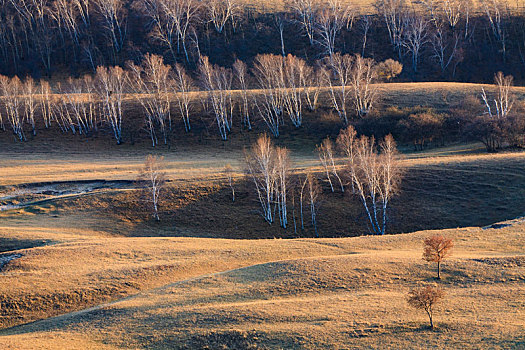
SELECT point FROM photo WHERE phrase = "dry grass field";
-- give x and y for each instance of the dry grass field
(83, 265)
(303, 293)
(363, 5)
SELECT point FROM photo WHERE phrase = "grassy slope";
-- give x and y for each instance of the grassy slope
(303, 293)
(366, 5)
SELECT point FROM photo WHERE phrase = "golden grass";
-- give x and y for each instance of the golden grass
(302, 293)
(363, 5)
(305, 293)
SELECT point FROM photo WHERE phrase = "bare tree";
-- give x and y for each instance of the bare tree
(63, 110)
(77, 106)
(446, 48)
(351, 77)
(217, 81)
(228, 172)
(426, 298)
(222, 11)
(90, 100)
(29, 100)
(365, 27)
(282, 170)
(269, 72)
(496, 11)
(376, 178)
(11, 89)
(313, 193)
(183, 86)
(46, 110)
(338, 76)
(504, 100)
(152, 83)
(172, 20)
(312, 83)
(307, 11)
(436, 249)
(332, 17)
(260, 162)
(364, 73)
(453, 10)
(326, 155)
(115, 22)
(346, 141)
(393, 13)
(415, 36)
(241, 74)
(154, 178)
(294, 73)
(111, 83)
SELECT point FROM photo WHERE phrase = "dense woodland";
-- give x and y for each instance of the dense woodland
(175, 60)
(439, 40)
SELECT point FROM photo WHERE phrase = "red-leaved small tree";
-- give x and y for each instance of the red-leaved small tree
(436, 249)
(425, 298)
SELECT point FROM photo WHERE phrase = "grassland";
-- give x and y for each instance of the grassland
(363, 5)
(303, 293)
(93, 270)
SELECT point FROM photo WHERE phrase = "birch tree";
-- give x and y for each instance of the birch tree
(269, 71)
(154, 178)
(446, 49)
(351, 78)
(240, 70)
(46, 110)
(12, 90)
(152, 83)
(282, 170)
(183, 86)
(504, 100)
(325, 152)
(220, 12)
(312, 83)
(393, 13)
(217, 81)
(111, 83)
(261, 169)
(29, 101)
(346, 141)
(415, 37)
(333, 16)
(307, 11)
(172, 21)
(376, 177)
(337, 75)
(363, 75)
(313, 191)
(295, 70)
(496, 12)
(115, 22)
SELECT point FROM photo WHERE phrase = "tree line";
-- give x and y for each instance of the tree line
(270, 92)
(275, 88)
(450, 39)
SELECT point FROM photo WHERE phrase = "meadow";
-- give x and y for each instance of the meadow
(84, 265)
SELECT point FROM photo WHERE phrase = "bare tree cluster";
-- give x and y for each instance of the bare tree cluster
(268, 167)
(350, 80)
(217, 82)
(375, 174)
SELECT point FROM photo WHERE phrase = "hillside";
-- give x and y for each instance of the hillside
(304, 293)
